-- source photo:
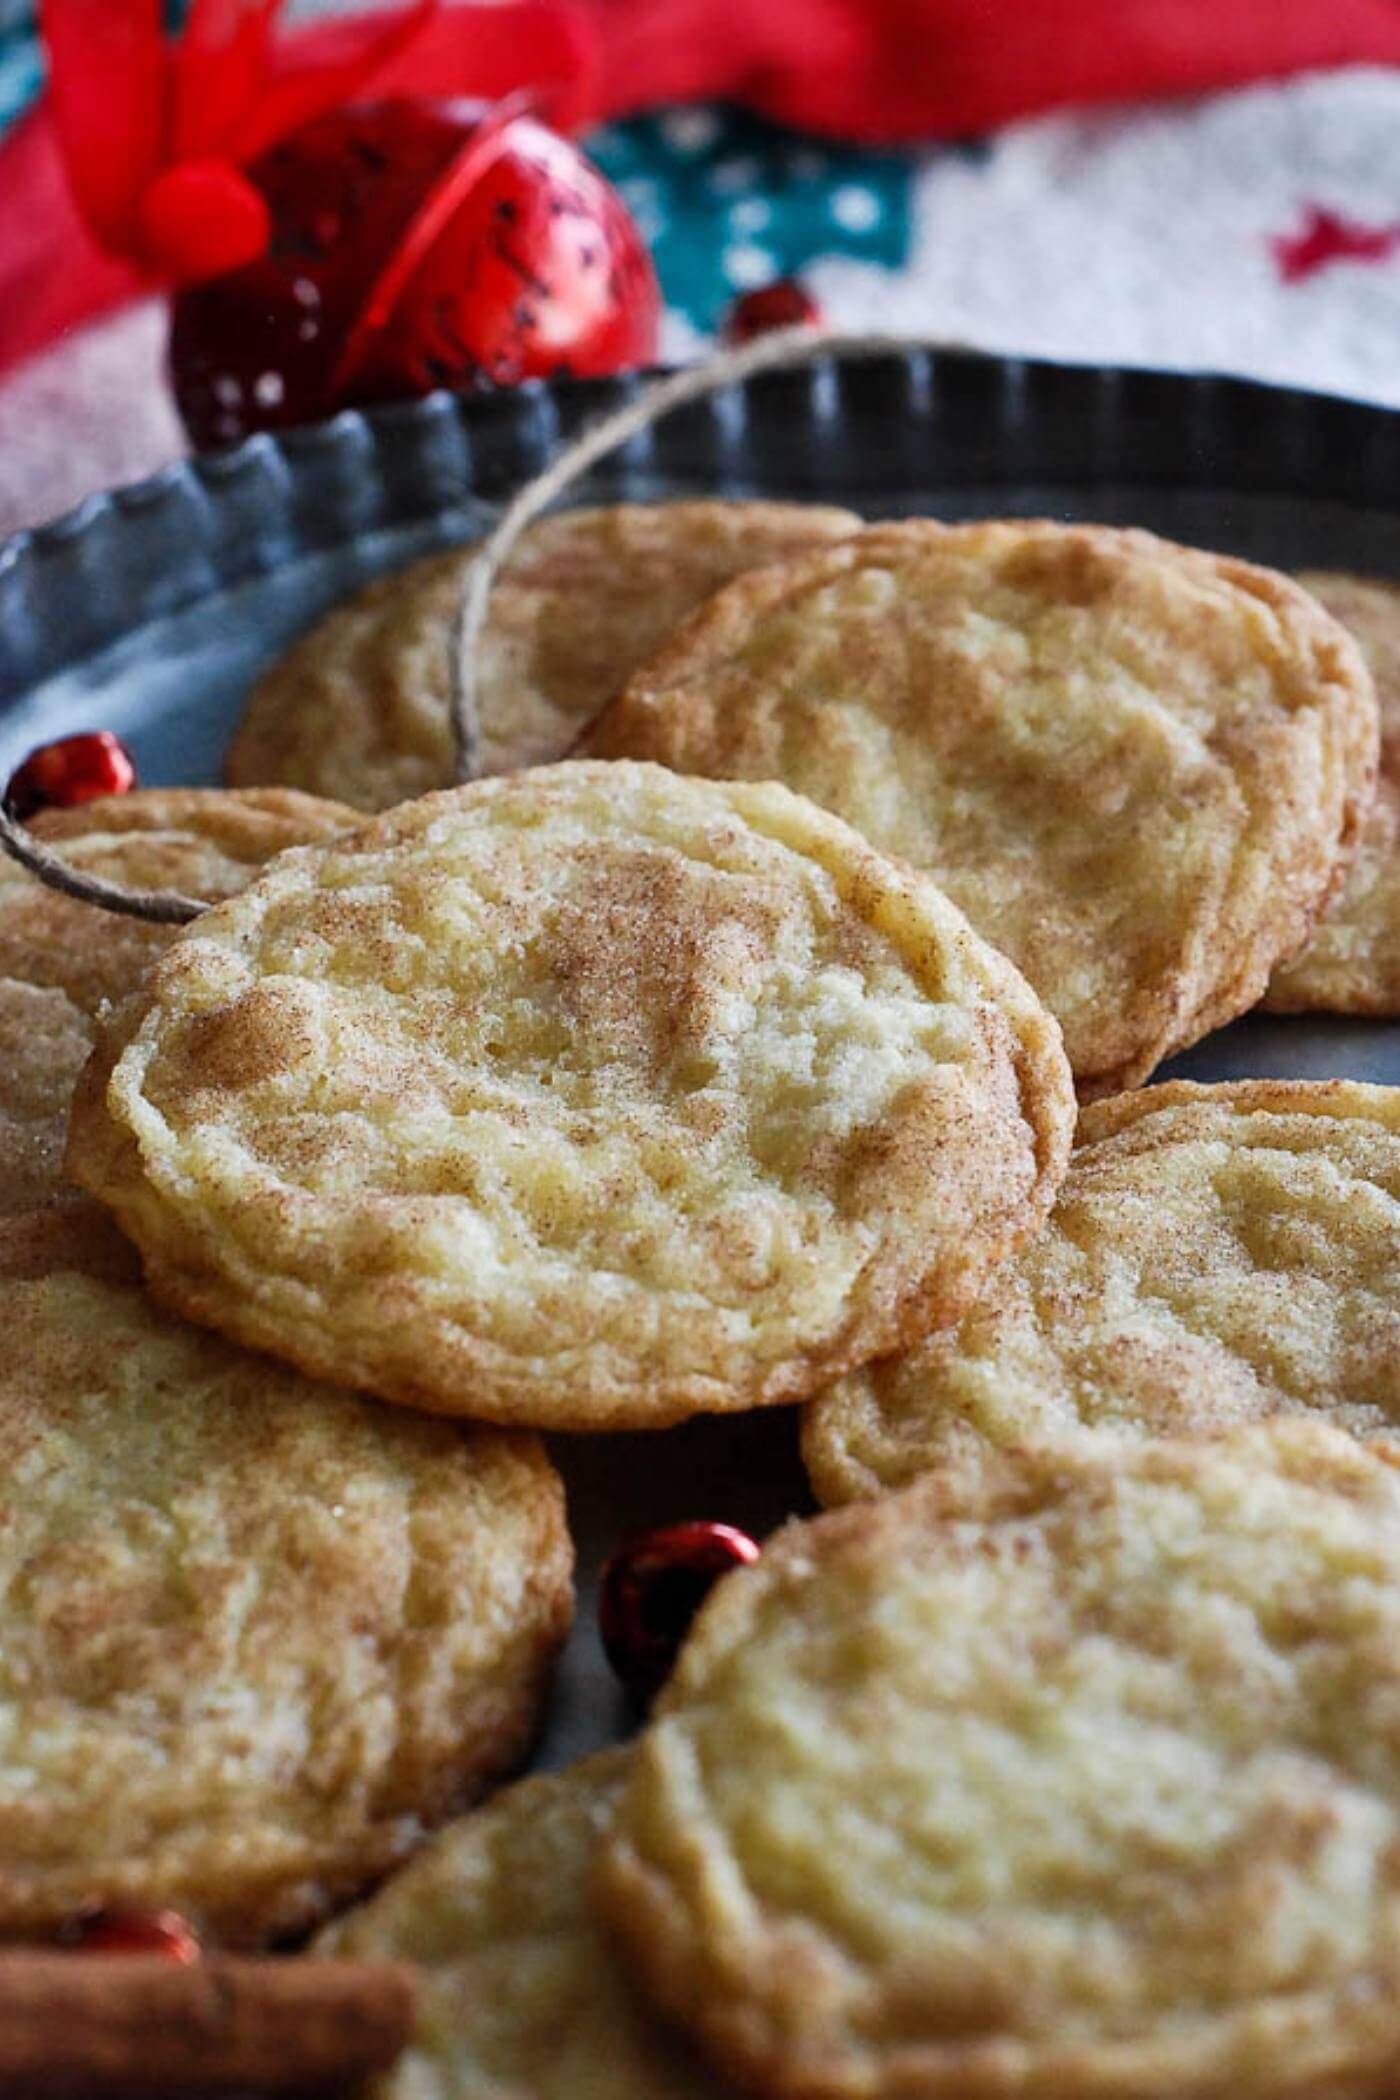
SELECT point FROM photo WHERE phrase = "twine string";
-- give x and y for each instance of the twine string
(785, 348)
(160, 907)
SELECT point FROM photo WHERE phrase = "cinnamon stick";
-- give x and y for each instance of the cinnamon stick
(92, 2025)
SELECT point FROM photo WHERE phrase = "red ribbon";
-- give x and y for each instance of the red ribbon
(153, 129)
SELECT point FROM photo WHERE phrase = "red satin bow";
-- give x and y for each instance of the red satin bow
(153, 129)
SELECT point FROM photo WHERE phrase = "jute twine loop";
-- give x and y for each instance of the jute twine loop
(161, 907)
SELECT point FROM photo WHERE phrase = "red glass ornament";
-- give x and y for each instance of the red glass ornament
(651, 1589)
(413, 245)
(783, 304)
(71, 770)
(162, 1932)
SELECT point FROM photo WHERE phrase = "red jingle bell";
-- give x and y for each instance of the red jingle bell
(783, 304)
(71, 770)
(161, 1932)
(413, 245)
(651, 1589)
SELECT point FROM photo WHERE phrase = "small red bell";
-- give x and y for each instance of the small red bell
(162, 1932)
(783, 304)
(71, 770)
(413, 245)
(651, 1589)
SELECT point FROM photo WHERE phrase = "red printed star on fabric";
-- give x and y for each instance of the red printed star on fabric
(1327, 237)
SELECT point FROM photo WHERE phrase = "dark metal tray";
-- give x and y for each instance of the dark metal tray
(149, 611)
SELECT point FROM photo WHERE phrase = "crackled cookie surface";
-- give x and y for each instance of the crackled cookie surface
(521, 1992)
(1138, 769)
(587, 1096)
(1216, 1254)
(62, 963)
(1352, 963)
(256, 1633)
(358, 709)
(1081, 1779)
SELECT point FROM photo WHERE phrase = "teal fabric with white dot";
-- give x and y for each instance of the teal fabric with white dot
(728, 202)
(21, 73)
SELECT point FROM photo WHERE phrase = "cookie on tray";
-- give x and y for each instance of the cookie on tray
(521, 1994)
(586, 1097)
(62, 963)
(257, 1633)
(1352, 963)
(358, 709)
(1138, 769)
(1079, 1779)
(1217, 1254)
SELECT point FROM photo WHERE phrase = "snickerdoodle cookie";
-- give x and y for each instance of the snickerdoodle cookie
(256, 1633)
(589, 1096)
(62, 963)
(1138, 769)
(521, 1993)
(1216, 1254)
(1352, 963)
(358, 709)
(1078, 1780)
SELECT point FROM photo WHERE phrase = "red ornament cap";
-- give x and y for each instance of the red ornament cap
(114, 1931)
(72, 770)
(783, 304)
(651, 1589)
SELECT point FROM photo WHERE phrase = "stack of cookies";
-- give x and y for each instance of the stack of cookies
(769, 1026)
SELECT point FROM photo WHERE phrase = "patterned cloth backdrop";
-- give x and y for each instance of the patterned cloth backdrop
(1253, 232)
